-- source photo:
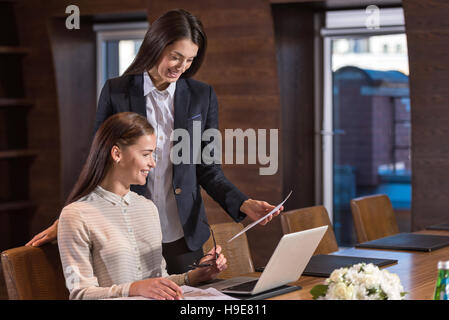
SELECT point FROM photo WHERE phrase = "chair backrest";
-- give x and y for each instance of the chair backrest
(373, 217)
(309, 218)
(3, 290)
(34, 273)
(236, 252)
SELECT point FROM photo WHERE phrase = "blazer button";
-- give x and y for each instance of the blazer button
(178, 191)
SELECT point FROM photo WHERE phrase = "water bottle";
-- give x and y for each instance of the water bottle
(442, 285)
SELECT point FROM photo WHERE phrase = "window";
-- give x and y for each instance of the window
(366, 115)
(117, 46)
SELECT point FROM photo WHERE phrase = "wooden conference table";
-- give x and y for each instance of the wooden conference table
(417, 270)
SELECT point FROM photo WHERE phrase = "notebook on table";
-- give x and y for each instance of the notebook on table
(286, 265)
(442, 226)
(408, 241)
(322, 265)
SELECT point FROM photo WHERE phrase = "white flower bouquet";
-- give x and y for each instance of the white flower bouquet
(360, 282)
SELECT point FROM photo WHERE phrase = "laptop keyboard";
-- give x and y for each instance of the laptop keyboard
(246, 286)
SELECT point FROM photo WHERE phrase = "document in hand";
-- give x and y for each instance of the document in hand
(264, 217)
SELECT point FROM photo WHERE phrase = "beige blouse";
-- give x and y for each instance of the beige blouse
(107, 242)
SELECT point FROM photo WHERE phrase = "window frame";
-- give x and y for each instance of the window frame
(114, 31)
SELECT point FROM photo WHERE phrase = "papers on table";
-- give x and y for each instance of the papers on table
(191, 293)
(264, 217)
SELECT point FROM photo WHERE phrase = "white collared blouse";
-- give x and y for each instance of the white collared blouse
(106, 242)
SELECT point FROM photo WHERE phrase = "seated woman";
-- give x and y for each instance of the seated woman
(110, 237)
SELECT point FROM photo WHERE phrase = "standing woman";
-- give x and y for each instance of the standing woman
(158, 85)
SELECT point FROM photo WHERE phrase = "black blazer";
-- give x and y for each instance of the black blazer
(193, 100)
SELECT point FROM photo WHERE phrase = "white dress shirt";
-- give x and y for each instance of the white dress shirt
(160, 114)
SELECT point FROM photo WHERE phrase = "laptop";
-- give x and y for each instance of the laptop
(286, 265)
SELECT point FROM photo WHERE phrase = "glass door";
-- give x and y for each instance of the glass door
(366, 125)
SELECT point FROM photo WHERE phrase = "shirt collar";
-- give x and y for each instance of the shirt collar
(148, 86)
(112, 197)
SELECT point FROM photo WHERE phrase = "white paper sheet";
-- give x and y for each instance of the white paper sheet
(190, 293)
(264, 217)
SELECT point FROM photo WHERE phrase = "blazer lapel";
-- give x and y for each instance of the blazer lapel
(136, 98)
(182, 103)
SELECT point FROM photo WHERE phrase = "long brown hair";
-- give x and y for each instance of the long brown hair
(122, 129)
(172, 26)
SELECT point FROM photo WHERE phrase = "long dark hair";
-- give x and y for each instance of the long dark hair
(172, 26)
(122, 129)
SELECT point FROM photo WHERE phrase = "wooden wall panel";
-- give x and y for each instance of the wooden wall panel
(294, 29)
(43, 124)
(74, 56)
(427, 37)
(241, 66)
(89, 8)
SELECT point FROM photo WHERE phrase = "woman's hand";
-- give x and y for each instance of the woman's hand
(208, 273)
(48, 235)
(256, 209)
(156, 288)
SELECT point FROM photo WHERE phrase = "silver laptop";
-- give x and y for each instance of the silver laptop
(286, 265)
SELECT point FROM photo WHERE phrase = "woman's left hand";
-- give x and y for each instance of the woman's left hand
(208, 273)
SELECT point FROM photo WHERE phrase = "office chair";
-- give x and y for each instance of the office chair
(236, 252)
(34, 273)
(308, 218)
(373, 217)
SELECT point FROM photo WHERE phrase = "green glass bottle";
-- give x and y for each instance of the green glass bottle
(442, 284)
(444, 293)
